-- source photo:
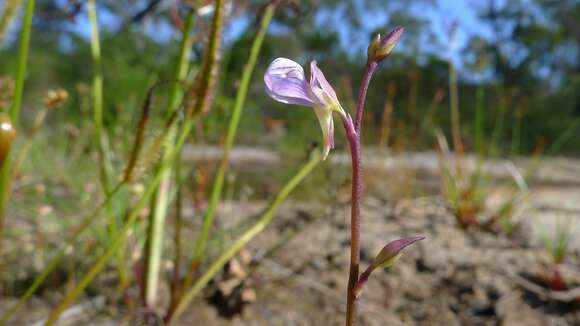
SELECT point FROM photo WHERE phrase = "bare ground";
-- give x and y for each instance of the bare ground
(297, 269)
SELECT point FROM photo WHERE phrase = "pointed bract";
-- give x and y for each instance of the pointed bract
(390, 253)
(386, 258)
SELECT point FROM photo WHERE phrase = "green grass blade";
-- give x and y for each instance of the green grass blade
(479, 119)
(161, 202)
(9, 11)
(5, 174)
(105, 167)
(262, 223)
(121, 235)
(209, 215)
(53, 263)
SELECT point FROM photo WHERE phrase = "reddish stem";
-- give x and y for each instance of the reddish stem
(362, 281)
(362, 95)
(353, 134)
(354, 142)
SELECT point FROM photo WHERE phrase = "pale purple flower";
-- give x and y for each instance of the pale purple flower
(286, 83)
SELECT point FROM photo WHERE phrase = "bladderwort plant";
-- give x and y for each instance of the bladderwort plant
(286, 83)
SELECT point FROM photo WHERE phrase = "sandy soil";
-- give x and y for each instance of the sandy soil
(295, 272)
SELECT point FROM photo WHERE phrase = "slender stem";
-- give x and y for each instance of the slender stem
(103, 259)
(22, 62)
(362, 95)
(204, 86)
(479, 119)
(498, 127)
(161, 199)
(90, 219)
(5, 175)
(353, 135)
(362, 280)
(208, 82)
(355, 152)
(130, 221)
(516, 132)
(64, 249)
(264, 220)
(231, 133)
(208, 75)
(454, 102)
(105, 168)
(23, 153)
(175, 282)
(9, 12)
(564, 137)
(97, 74)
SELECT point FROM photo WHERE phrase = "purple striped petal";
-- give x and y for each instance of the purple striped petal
(285, 83)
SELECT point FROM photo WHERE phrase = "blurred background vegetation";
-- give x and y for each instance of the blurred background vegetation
(521, 57)
(518, 69)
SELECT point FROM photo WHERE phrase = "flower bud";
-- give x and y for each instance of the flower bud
(386, 258)
(381, 47)
(390, 253)
(7, 134)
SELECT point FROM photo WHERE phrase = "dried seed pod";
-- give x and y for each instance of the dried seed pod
(7, 134)
(55, 98)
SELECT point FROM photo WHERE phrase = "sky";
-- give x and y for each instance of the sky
(440, 17)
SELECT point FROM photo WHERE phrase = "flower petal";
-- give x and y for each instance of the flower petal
(324, 116)
(321, 87)
(285, 83)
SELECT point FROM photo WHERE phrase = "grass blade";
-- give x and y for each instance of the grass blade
(264, 220)
(5, 174)
(209, 215)
(160, 203)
